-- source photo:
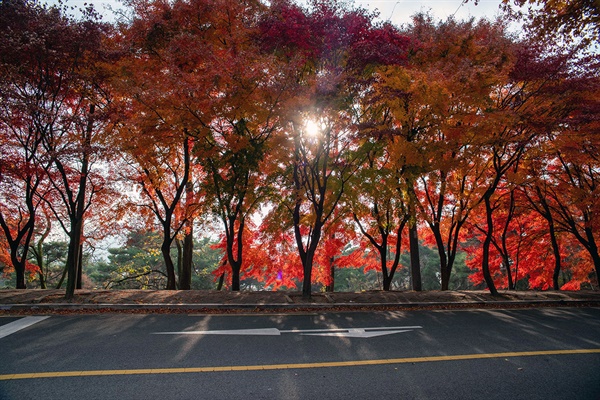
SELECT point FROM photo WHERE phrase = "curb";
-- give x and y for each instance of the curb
(215, 308)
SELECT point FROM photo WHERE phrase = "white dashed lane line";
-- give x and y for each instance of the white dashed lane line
(19, 324)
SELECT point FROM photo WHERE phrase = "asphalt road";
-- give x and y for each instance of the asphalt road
(528, 354)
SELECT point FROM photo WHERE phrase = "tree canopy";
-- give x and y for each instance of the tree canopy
(307, 140)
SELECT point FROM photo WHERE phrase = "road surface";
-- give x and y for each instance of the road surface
(551, 353)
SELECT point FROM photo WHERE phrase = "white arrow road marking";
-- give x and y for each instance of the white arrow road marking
(260, 332)
(357, 333)
(340, 332)
(19, 324)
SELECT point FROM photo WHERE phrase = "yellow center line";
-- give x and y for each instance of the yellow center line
(331, 364)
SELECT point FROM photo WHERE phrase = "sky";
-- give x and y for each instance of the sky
(398, 12)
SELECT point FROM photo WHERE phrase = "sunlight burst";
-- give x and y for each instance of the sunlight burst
(312, 128)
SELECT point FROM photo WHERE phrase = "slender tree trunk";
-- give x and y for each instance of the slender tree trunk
(485, 265)
(330, 288)
(307, 278)
(42, 279)
(234, 243)
(309, 259)
(235, 278)
(504, 252)
(398, 250)
(596, 260)
(593, 250)
(553, 240)
(38, 251)
(221, 281)
(413, 236)
(62, 277)
(73, 257)
(415, 259)
(556, 252)
(235, 263)
(506, 261)
(444, 270)
(307, 256)
(165, 249)
(77, 210)
(80, 267)
(383, 250)
(185, 278)
(18, 262)
(185, 275)
(39, 259)
(21, 241)
(179, 246)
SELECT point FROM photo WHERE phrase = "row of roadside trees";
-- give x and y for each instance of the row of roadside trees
(316, 137)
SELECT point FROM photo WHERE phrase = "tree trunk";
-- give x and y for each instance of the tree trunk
(23, 237)
(596, 259)
(556, 251)
(62, 277)
(593, 250)
(506, 261)
(415, 259)
(387, 283)
(331, 287)
(185, 278)
(221, 281)
(444, 269)
(485, 264)
(308, 260)
(185, 275)
(387, 280)
(179, 246)
(235, 278)
(80, 267)
(73, 257)
(18, 263)
(39, 256)
(234, 239)
(307, 278)
(20, 272)
(38, 251)
(42, 279)
(170, 267)
(413, 236)
(77, 209)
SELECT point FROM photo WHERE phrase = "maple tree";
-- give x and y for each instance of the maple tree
(333, 49)
(318, 138)
(573, 197)
(543, 82)
(237, 139)
(50, 114)
(154, 83)
(515, 124)
(463, 63)
(432, 106)
(164, 192)
(381, 214)
(566, 192)
(22, 123)
(20, 180)
(74, 149)
(219, 93)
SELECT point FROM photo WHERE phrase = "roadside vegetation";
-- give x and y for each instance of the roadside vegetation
(282, 146)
